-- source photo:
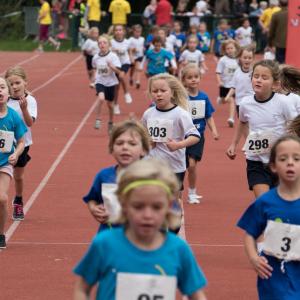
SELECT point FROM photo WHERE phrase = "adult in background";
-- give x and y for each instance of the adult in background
(163, 13)
(222, 7)
(278, 31)
(119, 10)
(149, 13)
(92, 13)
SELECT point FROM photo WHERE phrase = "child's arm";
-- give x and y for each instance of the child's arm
(27, 117)
(82, 290)
(189, 141)
(212, 126)
(203, 65)
(199, 295)
(13, 158)
(98, 211)
(116, 70)
(260, 263)
(219, 80)
(242, 127)
(230, 94)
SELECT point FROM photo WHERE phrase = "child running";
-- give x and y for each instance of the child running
(90, 48)
(141, 259)
(26, 107)
(129, 141)
(108, 66)
(11, 128)
(277, 215)
(201, 111)
(225, 69)
(266, 114)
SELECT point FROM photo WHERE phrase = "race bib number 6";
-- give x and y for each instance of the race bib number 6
(145, 287)
(259, 142)
(6, 141)
(161, 131)
(197, 109)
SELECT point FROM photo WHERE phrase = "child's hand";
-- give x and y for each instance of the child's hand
(13, 158)
(262, 267)
(215, 135)
(221, 83)
(99, 213)
(231, 152)
(23, 103)
(173, 145)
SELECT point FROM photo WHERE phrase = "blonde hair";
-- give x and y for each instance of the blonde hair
(105, 37)
(228, 42)
(294, 126)
(179, 94)
(93, 29)
(17, 71)
(149, 169)
(132, 126)
(190, 67)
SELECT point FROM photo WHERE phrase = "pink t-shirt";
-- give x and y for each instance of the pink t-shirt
(163, 12)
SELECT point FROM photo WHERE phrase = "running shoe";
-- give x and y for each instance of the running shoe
(117, 109)
(128, 98)
(2, 241)
(192, 199)
(230, 122)
(110, 127)
(137, 84)
(97, 124)
(18, 213)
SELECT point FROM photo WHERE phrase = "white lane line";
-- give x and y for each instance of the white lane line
(44, 181)
(58, 74)
(23, 62)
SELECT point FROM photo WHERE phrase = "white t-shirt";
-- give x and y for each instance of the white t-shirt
(195, 57)
(201, 6)
(171, 43)
(226, 67)
(90, 46)
(138, 45)
(121, 49)
(32, 109)
(294, 101)
(242, 84)
(244, 36)
(182, 127)
(272, 114)
(104, 74)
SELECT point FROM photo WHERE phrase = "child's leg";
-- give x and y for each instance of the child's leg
(259, 189)
(110, 106)
(230, 120)
(192, 175)
(100, 99)
(19, 181)
(138, 71)
(4, 186)
(131, 73)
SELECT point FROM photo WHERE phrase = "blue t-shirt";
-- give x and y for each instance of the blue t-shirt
(270, 206)
(11, 122)
(205, 42)
(200, 124)
(111, 252)
(221, 36)
(157, 60)
(180, 41)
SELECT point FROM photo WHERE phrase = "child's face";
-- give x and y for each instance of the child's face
(17, 86)
(119, 32)
(230, 50)
(192, 44)
(3, 91)
(137, 32)
(246, 59)
(177, 27)
(127, 148)
(162, 34)
(287, 162)
(223, 26)
(202, 27)
(146, 209)
(262, 81)
(157, 46)
(246, 24)
(161, 94)
(94, 35)
(103, 45)
(192, 79)
(193, 29)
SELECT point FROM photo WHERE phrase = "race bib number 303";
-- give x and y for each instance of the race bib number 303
(259, 142)
(282, 240)
(145, 287)
(197, 109)
(160, 130)
(6, 141)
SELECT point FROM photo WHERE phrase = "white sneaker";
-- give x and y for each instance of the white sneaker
(117, 109)
(128, 98)
(230, 122)
(192, 199)
(197, 196)
(97, 124)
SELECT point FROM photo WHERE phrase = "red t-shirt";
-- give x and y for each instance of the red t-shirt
(163, 12)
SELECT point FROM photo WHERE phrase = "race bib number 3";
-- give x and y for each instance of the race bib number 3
(197, 109)
(259, 142)
(145, 287)
(161, 131)
(282, 240)
(6, 141)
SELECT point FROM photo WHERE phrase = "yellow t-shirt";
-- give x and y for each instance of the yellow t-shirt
(94, 10)
(46, 11)
(267, 15)
(119, 10)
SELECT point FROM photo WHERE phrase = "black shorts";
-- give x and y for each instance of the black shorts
(237, 107)
(195, 151)
(180, 177)
(223, 91)
(140, 59)
(23, 159)
(88, 60)
(109, 91)
(125, 68)
(260, 173)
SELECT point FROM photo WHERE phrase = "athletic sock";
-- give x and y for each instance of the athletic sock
(18, 200)
(192, 191)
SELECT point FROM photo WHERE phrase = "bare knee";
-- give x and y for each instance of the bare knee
(3, 199)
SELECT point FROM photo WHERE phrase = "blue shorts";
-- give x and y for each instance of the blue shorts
(195, 151)
(125, 68)
(108, 91)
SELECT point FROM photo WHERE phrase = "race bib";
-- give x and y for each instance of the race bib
(6, 141)
(230, 70)
(145, 287)
(197, 109)
(111, 202)
(103, 70)
(160, 130)
(259, 142)
(282, 240)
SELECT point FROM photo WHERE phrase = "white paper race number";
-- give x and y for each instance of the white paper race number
(6, 141)
(145, 287)
(197, 109)
(111, 202)
(259, 142)
(160, 130)
(282, 240)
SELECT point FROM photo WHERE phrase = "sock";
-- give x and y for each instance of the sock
(18, 200)
(192, 191)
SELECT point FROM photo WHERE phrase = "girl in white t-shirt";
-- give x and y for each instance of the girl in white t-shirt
(25, 105)
(225, 69)
(243, 34)
(136, 44)
(266, 114)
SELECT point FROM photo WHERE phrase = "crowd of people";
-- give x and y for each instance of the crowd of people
(138, 200)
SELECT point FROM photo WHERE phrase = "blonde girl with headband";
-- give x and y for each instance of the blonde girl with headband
(134, 261)
(12, 128)
(26, 107)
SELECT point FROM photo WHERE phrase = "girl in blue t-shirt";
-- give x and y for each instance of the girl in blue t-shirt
(141, 259)
(277, 214)
(201, 112)
(128, 142)
(11, 128)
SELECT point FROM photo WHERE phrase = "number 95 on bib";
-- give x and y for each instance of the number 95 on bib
(160, 130)
(132, 286)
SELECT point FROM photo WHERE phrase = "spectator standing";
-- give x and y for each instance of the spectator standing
(240, 9)
(253, 6)
(149, 13)
(119, 10)
(278, 31)
(93, 13)
(222, 7)
(163, 13)
(266, 16)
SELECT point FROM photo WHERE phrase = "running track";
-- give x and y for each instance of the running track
(67, 153)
